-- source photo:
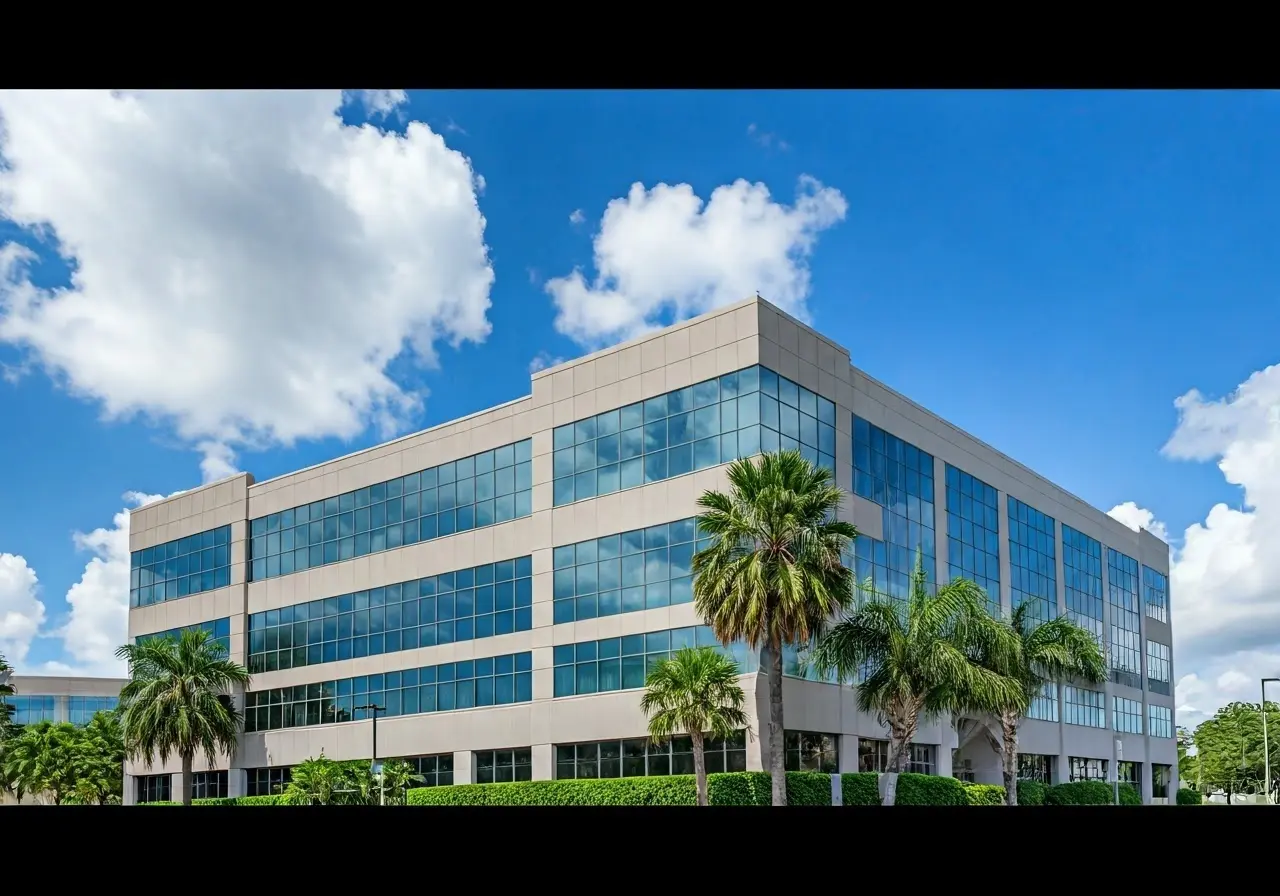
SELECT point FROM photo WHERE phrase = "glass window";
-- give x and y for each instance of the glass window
(1085, 707)
(1158, 669)
(208, 785)
(1036, 767)
(435, 771)
(1130, 773)
(1033, 565)
(1155, 587)
(1082, 573)
(31, 709)
(619, 664)
(638, 757)
(218, 629)
(1126, 715)
(500, 766)
(1045, 706)
(1160, 719)
(464, 605)
(899, 477)
(478, 491)
(808, 751)
(80, 710)
(154, 788)
(1084, 769)
(267, 781)
(180, 568)
(491, 681)
(873, 755)
(1125, 652)
(973, 533)
(1161, 775)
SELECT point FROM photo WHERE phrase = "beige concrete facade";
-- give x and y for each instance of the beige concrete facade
(727, 340)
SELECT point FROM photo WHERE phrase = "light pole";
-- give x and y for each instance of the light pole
(1266, 746)
(1115, 777)
(375, 709)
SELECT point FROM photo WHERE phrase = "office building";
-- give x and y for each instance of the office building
(499, 582)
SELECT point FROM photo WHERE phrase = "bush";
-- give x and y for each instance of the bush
(1031, 793)
(860, 789)
(930, 790)
(227, 801)
(1130, 795)
(723, 789)
(1189, 797)
(1079, 793)
(984, 794)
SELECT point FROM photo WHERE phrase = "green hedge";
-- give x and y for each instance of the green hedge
(1079, 793)
(1189, 797)
(1031, 793)
(984, 794)
(930, 790)
(724, 789)
(860, 789)
(227, 801)
(1130, 795)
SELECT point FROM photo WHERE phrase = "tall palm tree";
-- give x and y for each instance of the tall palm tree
(43, 760)
(774, 573)
(177, 700)
(1050, 652)
(920, 657)
(696, 692)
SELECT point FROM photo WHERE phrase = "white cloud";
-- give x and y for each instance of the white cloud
(382, 103)
(663, 252)
(767, 139)
(542, 361)
(246, 266)
(1225, 578)
(21, 612)
(1135, 517)
(576, 216)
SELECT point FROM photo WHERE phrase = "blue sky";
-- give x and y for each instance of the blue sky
(1049, 271)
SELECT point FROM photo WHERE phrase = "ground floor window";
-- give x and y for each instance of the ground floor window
(873, 755)
(267, 781)
(808, 751)
(154, 788)
(435, 771)
(922, 759)
(1084, 769)
(1131, 773)
(497, 766)
(1035, 767)
(640, 756)
(1160, 775)
(208, 785)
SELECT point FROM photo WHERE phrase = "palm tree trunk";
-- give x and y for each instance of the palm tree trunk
(772, 660)
(1009, 757)
(186, 780)
(902, 727)
(700, 766)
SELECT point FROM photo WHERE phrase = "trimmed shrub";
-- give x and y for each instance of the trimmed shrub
(984, 794)
(1079, 793)
(739, 789)
(860, 789)
(1130, 795)
(1189, 797)
(227, 801)
(1031, 793)
(808, 789)
(263, 800)
(930, 790)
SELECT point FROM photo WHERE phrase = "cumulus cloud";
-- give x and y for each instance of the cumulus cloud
(576, 216)
(543, 360)
(1223, 580)
(245, 266)
(1135, 517)
(664, 253)
(21, 611)
(382, 103)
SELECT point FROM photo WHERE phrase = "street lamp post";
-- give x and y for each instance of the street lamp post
(1266, 746)
(375, 709)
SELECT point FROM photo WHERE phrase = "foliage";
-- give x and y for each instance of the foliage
(695, 692)
(919, 657)
(860, 789)
(176, 700)
(773, 574)
(320, 781)
(984, 794)
(1045, 652)
(6, 690)
(43, 759)
(264, 800)
(1031, 793)
(398, 777)
(1189, 797)
(930, 790)
(100, 758)
(1229, 752)
(1079, 793)
(1129, 795)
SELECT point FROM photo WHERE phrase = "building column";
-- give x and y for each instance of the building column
(847, 750)
(178, 785)
(463, 773)
(1144, 779)
(129, 791)
(1006, 559)
(544, 762)
(237, 782)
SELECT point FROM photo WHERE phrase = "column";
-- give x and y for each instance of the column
(544, 762)
(848, 753)
(1006, 564)
(237, 782)
(1062, 765)
(462, 768)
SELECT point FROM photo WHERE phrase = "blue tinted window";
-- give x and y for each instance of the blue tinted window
(31, 709)
(973, 533)
(465, 605)
(472, 493)
(180, 568)
(1033, 565)
(1126, 715)
(81, 709)
(1085, 707)
(1155, 587)
(1082, 572)
(619, 664)
(1160, 719)
(492, 681)
(219, 630)
(1126, 642)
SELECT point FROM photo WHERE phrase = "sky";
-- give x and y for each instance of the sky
(193, 284)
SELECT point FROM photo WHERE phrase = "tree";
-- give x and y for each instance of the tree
(397, 777)
(1049, 652)
(1229, 752)
(921, 657)
(774, 573)
(695, 692)
(320, 781)
(177, 700)
(7, 690)
(43, 760)
(100, 758)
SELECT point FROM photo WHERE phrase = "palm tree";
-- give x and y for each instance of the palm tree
(1049, 652)
(177, 700)
(920, 657)
(695, 692)
(774, 573)
(397, 777)
(43, 760)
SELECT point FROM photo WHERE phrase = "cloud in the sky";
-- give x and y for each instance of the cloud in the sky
(664, 252)
(245, 265)
(576, 216)
(543, 360)
(767, 139)
(1225, 578)
(381, 103)
(21, 610)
